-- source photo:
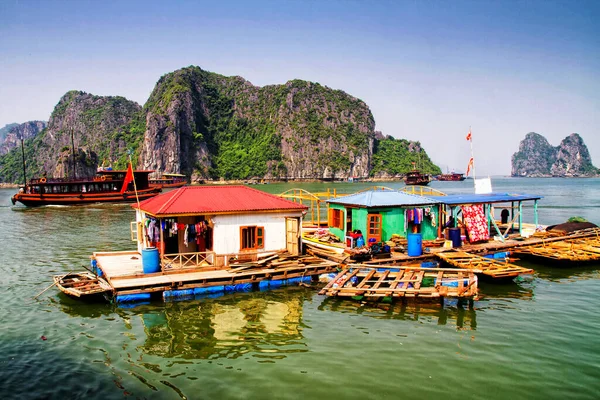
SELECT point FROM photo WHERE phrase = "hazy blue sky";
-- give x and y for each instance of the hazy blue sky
(427, 69)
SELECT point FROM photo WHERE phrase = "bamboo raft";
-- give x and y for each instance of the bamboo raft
(489, 267)
(401, 282)
(577, 250)
(81, 284)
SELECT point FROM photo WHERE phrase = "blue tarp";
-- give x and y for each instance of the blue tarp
(458, 199)
(384, 198)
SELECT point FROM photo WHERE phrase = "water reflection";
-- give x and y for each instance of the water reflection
(461, 313)
(267, 325)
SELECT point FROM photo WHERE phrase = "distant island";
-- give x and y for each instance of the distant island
(213, 127)
(537, 158)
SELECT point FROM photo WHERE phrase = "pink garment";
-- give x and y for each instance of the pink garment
(476, 222)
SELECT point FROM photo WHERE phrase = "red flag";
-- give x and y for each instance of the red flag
(128, 178)
(470, 166)
(469, 135)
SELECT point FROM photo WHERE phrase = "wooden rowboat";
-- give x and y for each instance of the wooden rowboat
(81, 284)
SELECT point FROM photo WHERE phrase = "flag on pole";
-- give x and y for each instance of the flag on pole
(470, 166)
(128, 178)
(469, 135)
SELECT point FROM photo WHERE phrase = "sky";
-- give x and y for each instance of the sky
(429, 70)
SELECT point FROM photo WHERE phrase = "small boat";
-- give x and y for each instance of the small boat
(108, 186)
(81, 284)
(452, 177)
(415, 177)
(169, 181)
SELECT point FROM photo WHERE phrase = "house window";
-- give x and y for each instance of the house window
(252, 237)
(336, 218)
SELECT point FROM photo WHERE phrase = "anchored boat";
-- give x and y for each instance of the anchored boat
(108, 186)
(81, 284)
(167, 181)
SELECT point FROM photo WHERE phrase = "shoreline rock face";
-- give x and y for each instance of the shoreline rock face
(26, 130)
(537, 158)
(212, 127)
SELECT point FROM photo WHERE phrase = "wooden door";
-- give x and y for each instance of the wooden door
(373, 227)
(292, 236)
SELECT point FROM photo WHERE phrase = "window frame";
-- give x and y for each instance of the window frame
(336, 218)
(257, 236)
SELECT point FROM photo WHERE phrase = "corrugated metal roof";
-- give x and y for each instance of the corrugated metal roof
(383, 198)
(215, 199)
(457, 199)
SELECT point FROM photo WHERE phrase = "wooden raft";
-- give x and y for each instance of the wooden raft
(413, 282)
(576, 250)
(490, 267)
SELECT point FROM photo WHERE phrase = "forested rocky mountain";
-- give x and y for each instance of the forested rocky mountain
(537, 158)
(209, 126)
(13, 136)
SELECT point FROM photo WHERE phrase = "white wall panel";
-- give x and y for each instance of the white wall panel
(226, 234)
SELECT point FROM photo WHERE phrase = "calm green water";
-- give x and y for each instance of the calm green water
(536, 338)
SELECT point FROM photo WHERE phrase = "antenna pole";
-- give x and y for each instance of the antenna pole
(24, 169)
(73, 151)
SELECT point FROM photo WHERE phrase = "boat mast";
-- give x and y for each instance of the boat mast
(73, 152)
(24, 169)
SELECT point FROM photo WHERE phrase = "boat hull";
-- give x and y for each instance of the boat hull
(81, 284)
(67, 199)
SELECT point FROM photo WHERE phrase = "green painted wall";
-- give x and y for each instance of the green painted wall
(392, 222)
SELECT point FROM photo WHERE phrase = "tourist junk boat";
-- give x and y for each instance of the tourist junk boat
(108, 186)
(167, 181)
(415, 177)
(452, 177)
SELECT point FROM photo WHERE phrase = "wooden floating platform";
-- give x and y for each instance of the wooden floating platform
(489, 267)
(567, 251)
(124, 273)
(401, 282)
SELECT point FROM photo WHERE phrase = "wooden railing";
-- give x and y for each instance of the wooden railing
(188, 260)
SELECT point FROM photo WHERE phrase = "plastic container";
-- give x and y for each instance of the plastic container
(415, 244)
(454, 236)
(150, 260)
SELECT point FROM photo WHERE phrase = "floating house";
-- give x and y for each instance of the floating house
(217, 223)
(379, 214)
(199, 239)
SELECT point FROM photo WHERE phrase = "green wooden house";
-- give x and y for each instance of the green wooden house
(379, 214)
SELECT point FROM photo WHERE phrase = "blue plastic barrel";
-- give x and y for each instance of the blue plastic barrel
(150, 260)
(415, 244)
(454, 236)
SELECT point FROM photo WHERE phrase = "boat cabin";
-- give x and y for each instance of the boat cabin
(379, 214)
(203, 226)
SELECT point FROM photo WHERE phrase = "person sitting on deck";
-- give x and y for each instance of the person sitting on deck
(504, 216)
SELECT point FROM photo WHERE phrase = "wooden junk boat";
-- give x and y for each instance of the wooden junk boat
(452, 177)
(80, 284)
(108, 186)
(367, 282)
(169, 181)
(415, 177)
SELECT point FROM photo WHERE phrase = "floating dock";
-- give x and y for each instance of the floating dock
(489, 267)
(124, 273)
(401, 282)
(566, 251)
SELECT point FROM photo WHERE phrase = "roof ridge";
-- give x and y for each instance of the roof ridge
(176, 194)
